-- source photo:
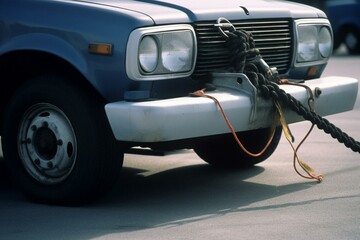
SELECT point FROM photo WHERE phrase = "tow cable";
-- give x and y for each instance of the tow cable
(246, 59)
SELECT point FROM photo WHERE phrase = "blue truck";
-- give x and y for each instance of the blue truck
(345, 21)
(84, 81)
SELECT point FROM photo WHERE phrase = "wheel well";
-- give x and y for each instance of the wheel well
(20, 66)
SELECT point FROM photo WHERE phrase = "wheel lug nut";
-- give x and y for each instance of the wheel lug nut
(34, 128)
(37, 161)
(45, 124)
(50, 165)
(59, 142)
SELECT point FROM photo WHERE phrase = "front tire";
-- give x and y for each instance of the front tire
(223, 151)
(57, 142)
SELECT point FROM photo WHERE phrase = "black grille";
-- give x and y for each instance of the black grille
(272, 38)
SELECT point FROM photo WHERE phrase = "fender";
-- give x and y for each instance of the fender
(72, 51)
(47, 43)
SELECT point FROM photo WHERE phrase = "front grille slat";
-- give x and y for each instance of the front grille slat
(273, 38)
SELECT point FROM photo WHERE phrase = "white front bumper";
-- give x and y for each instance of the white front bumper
(189, 117)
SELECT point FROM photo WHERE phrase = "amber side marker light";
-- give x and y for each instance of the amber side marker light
(313, 71)
(100, 48)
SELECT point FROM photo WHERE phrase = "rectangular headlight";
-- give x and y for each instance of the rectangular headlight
(161, 52)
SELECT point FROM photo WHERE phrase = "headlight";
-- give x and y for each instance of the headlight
(164, 52)
(177, 51)
(325, 42)
(148, 54)
(307, 43)
(314, 40)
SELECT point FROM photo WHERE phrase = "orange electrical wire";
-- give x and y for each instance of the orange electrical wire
(310, 172)
(201, 93)
(278, 117)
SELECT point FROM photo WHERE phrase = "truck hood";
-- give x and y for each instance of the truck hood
(181, 11)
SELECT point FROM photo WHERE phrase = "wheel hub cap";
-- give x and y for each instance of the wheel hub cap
(47, 144)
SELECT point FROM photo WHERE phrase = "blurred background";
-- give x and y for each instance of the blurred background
(344, 16)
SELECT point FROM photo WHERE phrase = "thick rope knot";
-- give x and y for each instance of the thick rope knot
(242, 45)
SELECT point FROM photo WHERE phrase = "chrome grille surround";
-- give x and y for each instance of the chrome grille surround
(272, 37)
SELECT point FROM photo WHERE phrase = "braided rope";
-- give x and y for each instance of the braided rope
(247, 59)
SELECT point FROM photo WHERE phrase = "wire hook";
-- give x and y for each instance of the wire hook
(223, 25)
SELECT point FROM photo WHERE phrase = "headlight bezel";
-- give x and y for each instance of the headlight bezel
(320, 57)
(134, 66)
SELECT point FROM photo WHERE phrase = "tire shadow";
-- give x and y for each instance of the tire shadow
(169, 198)
(184, 194)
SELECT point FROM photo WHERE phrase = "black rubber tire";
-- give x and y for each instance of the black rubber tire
(224, 152)
(92, 158)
